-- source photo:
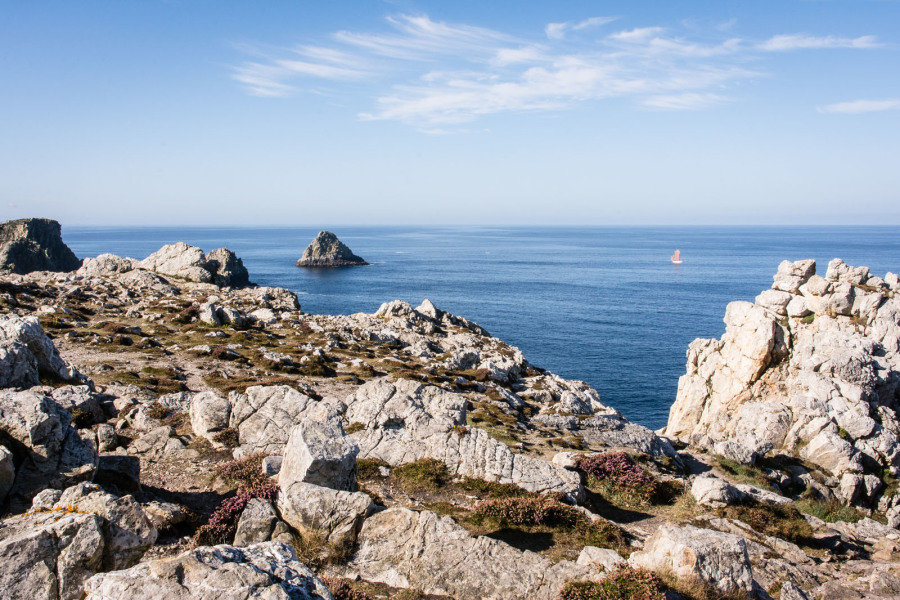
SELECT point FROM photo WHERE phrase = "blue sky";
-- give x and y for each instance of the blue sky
(209, 113)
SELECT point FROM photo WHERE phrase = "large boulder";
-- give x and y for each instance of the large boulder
(328, 251)
(228, 270)
(48, 553)
(106, 265)
(19, 337)
(320, 453)
(406, 421)
(48, 450)
(688, 552)
(28, 245)
(335, 515)
(408, 549)
(264, 416)
(209, 414)
(264, 571)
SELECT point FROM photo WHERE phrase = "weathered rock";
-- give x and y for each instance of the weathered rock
(48, 449)
(210, 414)
(128, 532)
(164, 515)
(265, 415)
(107, 439)
(106, 265)
(271, 465)
(791, 275)
(81, 401)
(420, 550)
(27, 331)
(227, 269)
(179, 260)
(821, 389)
(28, 245)
(406, 421)
(719, 559)
(603, 559)
(7, 473)
(320, 453)
(264, 571)
(713, 492)
(256, 523)
(18, 366)
(336, 515)
(789, 591)
(328, 251)
(119, 470)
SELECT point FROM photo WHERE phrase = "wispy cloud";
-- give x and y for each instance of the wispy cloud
(557, 31)
(802, 41)
(436, 76)
(862, 106)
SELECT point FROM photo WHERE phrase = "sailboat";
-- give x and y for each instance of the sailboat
(676, 258)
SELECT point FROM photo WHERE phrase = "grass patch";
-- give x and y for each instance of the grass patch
(427, 474)
(354, 427)
(369, 468)
(744, 473)
(830, 511)
(779, 520)
(696, 589)
(624, 583)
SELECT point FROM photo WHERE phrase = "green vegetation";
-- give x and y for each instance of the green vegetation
(829, 511)
(779, 520)
(624, 583)
(427, 474)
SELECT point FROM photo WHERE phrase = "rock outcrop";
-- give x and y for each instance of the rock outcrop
(269, 570)
(26, 353)
(28, 245)
(404, 548)
(328, 251)
(810, 371)
(48, 450)
(221, 267)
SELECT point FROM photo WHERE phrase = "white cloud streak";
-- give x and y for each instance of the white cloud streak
(861, 106)
(436, 76)
(802, 41)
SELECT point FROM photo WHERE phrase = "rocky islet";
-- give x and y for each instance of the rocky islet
(394, 452)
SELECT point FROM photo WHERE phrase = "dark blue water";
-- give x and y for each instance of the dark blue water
(603, 305)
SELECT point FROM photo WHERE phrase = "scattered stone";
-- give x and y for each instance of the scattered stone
(328, 251)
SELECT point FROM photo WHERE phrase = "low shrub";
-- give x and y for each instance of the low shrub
(247, 474)
(619, 471)
(624, 583)
(492, 489)
(158, 411)
(354, 427)
(228, 437)
(342, 590)
(427, 474)
(538, 510)
(829, 511)
(780, 520)
(369, 468)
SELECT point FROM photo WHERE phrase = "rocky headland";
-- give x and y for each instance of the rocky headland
(166, 434)
(34, 245)
(328, 251)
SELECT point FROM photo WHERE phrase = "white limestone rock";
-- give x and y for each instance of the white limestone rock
(321, 454)
(27, 331)
(712, 492)
(719, 559)
(791, 275)
(179, 260)
(336, 515)
(264, 571)
(210, 414)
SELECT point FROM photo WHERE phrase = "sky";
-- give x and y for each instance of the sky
(194, 112)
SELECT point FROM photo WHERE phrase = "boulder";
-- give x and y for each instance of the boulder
(18, 366)
(602, 559)
(227, 269)
(28, 245)
(48, 450)
(406, 421)
(712, 492)
(335, 515)
(719, 559)
(407, 549)
(179, 260)
(264, 571)
(791, 275)
(16, 332)
(210, 414)
(264, 416)
(128, 532)
(320, 453)
(789, 591)
(256, 523)
(328, 251)
(106, 265)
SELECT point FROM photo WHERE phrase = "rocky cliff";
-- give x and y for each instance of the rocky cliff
(809, 374)
(328, 251)
(28, 245)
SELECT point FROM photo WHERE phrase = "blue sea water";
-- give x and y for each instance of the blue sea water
(600, 304)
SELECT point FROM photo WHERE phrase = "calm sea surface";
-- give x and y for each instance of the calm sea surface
(603, 305)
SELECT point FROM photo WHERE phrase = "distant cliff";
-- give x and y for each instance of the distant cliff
(28, 245)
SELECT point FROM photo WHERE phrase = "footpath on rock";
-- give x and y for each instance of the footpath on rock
(169, 430)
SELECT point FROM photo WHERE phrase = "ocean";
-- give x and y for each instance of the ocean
(600, 304)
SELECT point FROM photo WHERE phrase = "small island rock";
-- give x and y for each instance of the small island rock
(28, 245)
(328, 251)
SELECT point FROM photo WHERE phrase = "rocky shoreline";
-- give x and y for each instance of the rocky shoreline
(169, 430)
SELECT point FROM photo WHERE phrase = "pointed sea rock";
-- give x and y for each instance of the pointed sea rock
(328, 251)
